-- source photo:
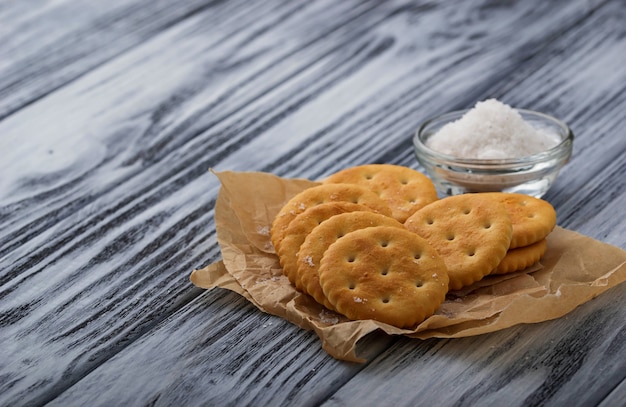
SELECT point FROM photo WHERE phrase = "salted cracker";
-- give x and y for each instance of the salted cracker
(532, 218)
(405, 190)
(320, 194)
(300, 227)
(321, 237)
(383, 273)
(470, 232)
(522, 257)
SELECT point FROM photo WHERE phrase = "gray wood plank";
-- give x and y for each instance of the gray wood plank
(386, 108)
(227, 362)
(574, 360)
(78, 243)
(46, 44)
(617, 396)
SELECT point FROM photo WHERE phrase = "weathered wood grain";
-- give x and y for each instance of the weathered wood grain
(230, 364)
(88, 300)
(617, 396)
(107, 206)
(574, 360)
(47, 44)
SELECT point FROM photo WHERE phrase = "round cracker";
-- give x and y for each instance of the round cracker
(532, 218)
(317, 242)
(301, 226)
(386, 274)
(320, 194)
(521, 257)
(405, 190)
(470, 232)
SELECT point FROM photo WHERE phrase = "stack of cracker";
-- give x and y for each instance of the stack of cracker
(375, 242)
(532, 220)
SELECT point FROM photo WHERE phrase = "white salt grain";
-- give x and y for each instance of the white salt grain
(491, 130)
(309, 261)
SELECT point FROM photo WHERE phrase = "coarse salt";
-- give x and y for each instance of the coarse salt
(309, 261)
(491, 130)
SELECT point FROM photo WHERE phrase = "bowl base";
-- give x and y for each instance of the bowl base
(536, 188)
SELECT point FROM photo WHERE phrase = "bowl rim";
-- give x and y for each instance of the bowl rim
(563, 148)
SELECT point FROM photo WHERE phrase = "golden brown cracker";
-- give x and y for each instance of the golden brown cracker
(315, 244)
(320, 194)
(522, 257)
(383, 273)
(471, 233)
(532, 218)
(301, 226)
(405, 190)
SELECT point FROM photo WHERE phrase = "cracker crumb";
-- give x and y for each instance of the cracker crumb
(328, 317)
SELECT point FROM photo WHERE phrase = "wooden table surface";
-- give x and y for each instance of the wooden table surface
(112, 112)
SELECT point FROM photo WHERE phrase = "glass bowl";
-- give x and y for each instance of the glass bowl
(531, 175)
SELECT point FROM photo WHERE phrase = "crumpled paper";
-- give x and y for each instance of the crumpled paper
(574, 270)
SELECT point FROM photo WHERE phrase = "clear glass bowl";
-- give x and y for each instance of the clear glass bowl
(531, 175)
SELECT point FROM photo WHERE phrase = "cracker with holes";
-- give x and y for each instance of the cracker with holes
(405, 190)
(322, 194)
(320, 238)
(472, 234)
(532, 218)
(522, 257)
(302, 225)
(386, 274)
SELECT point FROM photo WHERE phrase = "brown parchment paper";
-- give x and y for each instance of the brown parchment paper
(574, 270)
